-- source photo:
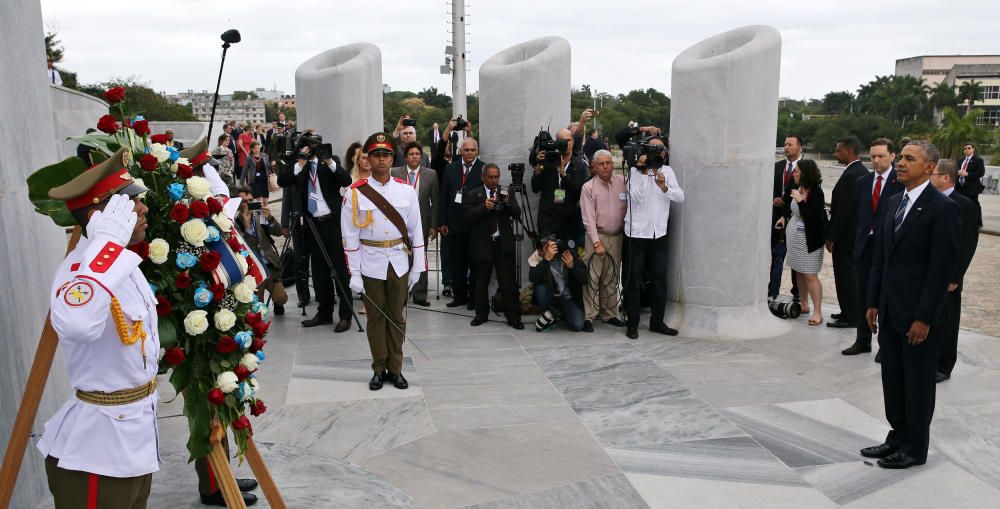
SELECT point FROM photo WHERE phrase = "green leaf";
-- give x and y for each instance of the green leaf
(167, 331)
(225, 363)
(214, 365)
(101, 141)
(180, 378)
(54, 175)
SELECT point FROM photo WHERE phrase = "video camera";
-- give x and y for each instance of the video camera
(460, 123)
(314, 141)
(561, 245)
(516, 175)
(550, 149)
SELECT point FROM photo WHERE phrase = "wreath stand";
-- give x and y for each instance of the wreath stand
(28, 410)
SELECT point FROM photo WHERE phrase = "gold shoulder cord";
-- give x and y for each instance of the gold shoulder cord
(126, 336)
(354, 211)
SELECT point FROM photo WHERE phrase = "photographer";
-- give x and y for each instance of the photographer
(443, 156)
(652, 186)
(559, 279)
(318, 186)
(255, 222)
(559, 184)
(488, 212)
(406, 133)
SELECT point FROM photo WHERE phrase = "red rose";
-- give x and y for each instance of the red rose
(234, 243)
(210, 260)
(184, 171)
(140, 248)
(199, 209)
(260, 328)
(216, 397)
(163, 306)
(141, 127)
(251, 318)
(218, 291)
(148, 162)
(241, 372)
(226, 344)
(242, 423)
(114, 95)
(107, 124)
(174, 356)
(159, 138)
(257, 345)
(214, 206)
(179, 212)
(257, 408)
(182, 280)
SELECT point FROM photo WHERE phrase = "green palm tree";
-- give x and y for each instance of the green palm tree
(957, 130)
(970, 91)
(942, 96)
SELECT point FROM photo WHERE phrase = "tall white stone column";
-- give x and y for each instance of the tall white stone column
(724, 104)
(339, 93)
(31, 246)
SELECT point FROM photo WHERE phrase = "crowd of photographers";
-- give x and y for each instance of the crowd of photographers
(599, 231)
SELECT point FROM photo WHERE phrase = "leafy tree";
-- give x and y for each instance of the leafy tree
(836, 103)
(142, 100)
(242, 95)
(55, 51)
(968, 92)
(958, 130)
(943, 96)
(435, 99)
(897, 97)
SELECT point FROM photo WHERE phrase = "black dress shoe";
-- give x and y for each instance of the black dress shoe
(940, 377)
(632, 333)
(878, 451)
(216, 499)
(477, 321)
(899, 460)
(397, 380)
(857, 348)
(841, 324)
(317, 320)
(588, 326)
(246, 485)
(662, 328)
(615, 322)
(878, 357)
(342, 325)
(516, 324)
(423, 303)
(455, 303)
(279, 310)
(376, 382)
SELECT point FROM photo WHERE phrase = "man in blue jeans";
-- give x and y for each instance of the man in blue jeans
(559, 278)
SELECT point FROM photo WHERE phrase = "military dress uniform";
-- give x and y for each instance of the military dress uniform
(381, 264)
(101, 447)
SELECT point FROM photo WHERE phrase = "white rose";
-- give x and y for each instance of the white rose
(254, 385)
(158, 251)
(242, 263)
(196, 322)
(199, 187)
(224, 320)
(250, 281)
(227, 381)
(194, 232)
(243, 293)
(222, 220)
(250, 361)
(180, 160)
(159, 151)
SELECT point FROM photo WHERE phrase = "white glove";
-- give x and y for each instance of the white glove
(414, 277)
(116, 222)
(357, 285)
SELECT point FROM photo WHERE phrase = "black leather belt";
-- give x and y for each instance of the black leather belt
(323, 219)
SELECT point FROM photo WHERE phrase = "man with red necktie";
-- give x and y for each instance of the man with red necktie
(783, 170)
(425, 181)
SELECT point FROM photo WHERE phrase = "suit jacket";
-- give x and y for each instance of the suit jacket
(330, 182)
(780, 191)
(868, 220)
(973, 182)
(249, 172)
(553, 217)
(430, 136)
(969, 238)
(844, 204)
(813, 210)
(428, 194)
(452, 214)
(477, 218)
(912, 266)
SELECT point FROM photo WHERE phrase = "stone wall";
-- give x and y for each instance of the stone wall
(72, 113)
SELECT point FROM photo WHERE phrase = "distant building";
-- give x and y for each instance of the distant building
(933, 68)
(286, 101)
(386, 88)
(247, 110)
(988, 75)
(272, 95)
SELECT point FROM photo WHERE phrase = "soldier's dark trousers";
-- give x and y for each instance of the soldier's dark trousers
(385, 336)
(73, 489)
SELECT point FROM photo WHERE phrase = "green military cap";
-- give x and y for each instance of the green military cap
(380, 141)
(198, 153)
(98, 183)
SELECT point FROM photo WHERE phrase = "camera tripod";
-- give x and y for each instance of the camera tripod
(521, 226)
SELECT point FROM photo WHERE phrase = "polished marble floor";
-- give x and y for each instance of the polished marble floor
(498, 418)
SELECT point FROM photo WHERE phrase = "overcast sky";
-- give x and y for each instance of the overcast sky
(616, 45)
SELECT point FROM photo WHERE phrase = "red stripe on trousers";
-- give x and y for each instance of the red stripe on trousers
(92, 492)
(212, 488)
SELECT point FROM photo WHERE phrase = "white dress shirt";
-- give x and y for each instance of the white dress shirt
(885, 181)
(649, 207)
(912, 196)
(315, 190)
(371, 261)
(54, 77)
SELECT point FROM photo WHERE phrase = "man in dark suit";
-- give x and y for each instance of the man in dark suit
(559, 204)
(488, 214)
(783, 171)
(873, 189)
(971, 170)
(425, 181)
(915, 252)
(433, 136)
(944, 178)
(843, 225)
(318, 184)
(463, 174)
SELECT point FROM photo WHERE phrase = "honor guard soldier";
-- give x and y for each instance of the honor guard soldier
(101, 447)
(384, 242)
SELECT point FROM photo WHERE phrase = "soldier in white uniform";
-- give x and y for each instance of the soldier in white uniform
(101, 447)
(384, 243)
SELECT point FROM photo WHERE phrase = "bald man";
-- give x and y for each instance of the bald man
(463, 174)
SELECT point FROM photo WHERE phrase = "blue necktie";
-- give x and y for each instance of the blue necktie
(313, 205)
(901, 211)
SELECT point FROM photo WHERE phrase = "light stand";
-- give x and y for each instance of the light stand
(229, 37)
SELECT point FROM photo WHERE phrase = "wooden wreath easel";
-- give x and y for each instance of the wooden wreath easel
(28, 409)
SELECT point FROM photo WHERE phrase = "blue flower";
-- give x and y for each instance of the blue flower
(245, 339)
(186, 261)
(202, 297)
(153, 287)
(175, 191)
(258, 307)
(138, 118)
(174, 153)
(255, 299)
(244, 392)
(213, 234)
(260, 356)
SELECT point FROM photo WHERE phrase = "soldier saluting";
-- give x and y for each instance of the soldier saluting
(384, 243)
